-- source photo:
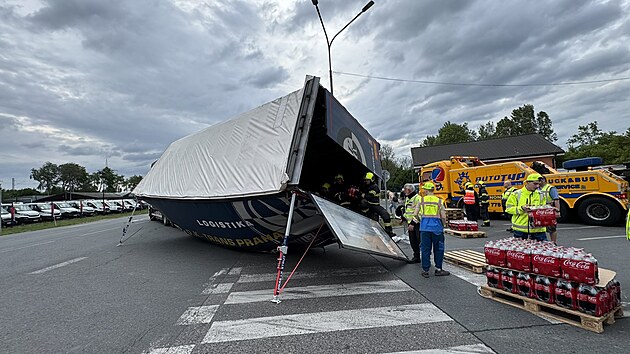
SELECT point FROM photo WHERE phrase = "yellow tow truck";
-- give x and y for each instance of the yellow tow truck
(599, 197)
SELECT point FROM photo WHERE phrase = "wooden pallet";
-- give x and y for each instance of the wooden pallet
(572, 317)
(465, 234)
(471, 260)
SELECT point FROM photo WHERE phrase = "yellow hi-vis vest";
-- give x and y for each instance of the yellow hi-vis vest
(545, 189)
(429, 207)
(410, 207)
(520, 218)
(507, 193)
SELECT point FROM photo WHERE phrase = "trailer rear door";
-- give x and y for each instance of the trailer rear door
(357, 232)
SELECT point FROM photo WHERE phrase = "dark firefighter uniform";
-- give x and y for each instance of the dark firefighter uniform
(339, 191)
(370, 203)
(484, 203)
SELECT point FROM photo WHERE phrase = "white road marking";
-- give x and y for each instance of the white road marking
(333, 321)
(23, 247)
(58, 265)
(343, 272)
(599, 238)
(235, 271)
(219, 272)
(197, 315)
(314, 291)
(222, 288)
(461, 349)
(472, 278)
(577, 227)
(181, 349)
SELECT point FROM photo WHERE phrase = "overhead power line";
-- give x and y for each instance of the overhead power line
(483, 85)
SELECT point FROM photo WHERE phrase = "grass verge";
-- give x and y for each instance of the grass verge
(65, 222)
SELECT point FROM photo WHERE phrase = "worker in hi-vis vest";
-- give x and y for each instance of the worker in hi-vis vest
(519, 204)
(484, 203)
(471, 199)
(413, 227)
(432, 217)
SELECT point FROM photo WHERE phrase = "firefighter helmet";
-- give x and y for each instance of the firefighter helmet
(369, 176)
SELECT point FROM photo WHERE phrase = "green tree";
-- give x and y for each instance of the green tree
(591, 141)
(487, 131)
(451, 133)
(72, 176)
(109, 180)
(132, 182)
(47, 176)
(524, 121)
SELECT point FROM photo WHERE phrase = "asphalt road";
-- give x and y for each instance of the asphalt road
(72, 290)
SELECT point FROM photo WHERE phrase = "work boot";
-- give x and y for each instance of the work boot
(415, 259)
(441, 272)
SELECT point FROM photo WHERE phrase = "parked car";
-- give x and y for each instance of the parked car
(130, 204)
(98, 205)
(83, 208)
(7, 220)
(45, 211)
(114, 207)
(67, 211)
(25, 213)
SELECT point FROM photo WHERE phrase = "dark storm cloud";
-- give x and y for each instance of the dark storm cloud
(268, 77)
(86, 80)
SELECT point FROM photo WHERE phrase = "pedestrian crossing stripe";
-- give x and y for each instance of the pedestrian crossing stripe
(314, 291)
(320, 322)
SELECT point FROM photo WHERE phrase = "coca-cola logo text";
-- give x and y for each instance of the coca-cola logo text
(493, 251)
(577, 264)
(544, 259)
(516, 255)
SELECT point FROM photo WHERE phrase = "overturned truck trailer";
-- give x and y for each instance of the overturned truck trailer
(231, 184)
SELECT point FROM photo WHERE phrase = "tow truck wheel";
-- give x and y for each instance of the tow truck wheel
(599, 211)
(564, 212)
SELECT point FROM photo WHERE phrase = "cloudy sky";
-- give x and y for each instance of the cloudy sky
(88, 80)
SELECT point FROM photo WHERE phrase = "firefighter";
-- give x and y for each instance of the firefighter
(519, 204)
(324, 191)
(484, 203)
(411, 218)
(470, 201)
(371, 205)
(339, 191)
(509, 189)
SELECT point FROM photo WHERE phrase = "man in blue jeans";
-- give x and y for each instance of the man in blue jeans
(430, 211)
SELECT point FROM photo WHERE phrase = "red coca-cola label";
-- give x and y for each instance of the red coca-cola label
(546, 265)
(579, 271)
(495, 256)
(518, 260)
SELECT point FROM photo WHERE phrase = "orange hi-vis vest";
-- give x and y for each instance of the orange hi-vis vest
(469, 197)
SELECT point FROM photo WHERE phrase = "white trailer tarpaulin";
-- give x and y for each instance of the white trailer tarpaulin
(244, 156)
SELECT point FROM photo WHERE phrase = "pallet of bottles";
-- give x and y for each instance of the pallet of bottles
(467, 259)
(585, 306)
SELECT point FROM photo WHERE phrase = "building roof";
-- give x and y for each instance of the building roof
(518, 146)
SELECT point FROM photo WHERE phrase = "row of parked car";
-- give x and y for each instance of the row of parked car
(24, 213)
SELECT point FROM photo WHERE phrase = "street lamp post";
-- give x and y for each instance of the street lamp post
(329, 43)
